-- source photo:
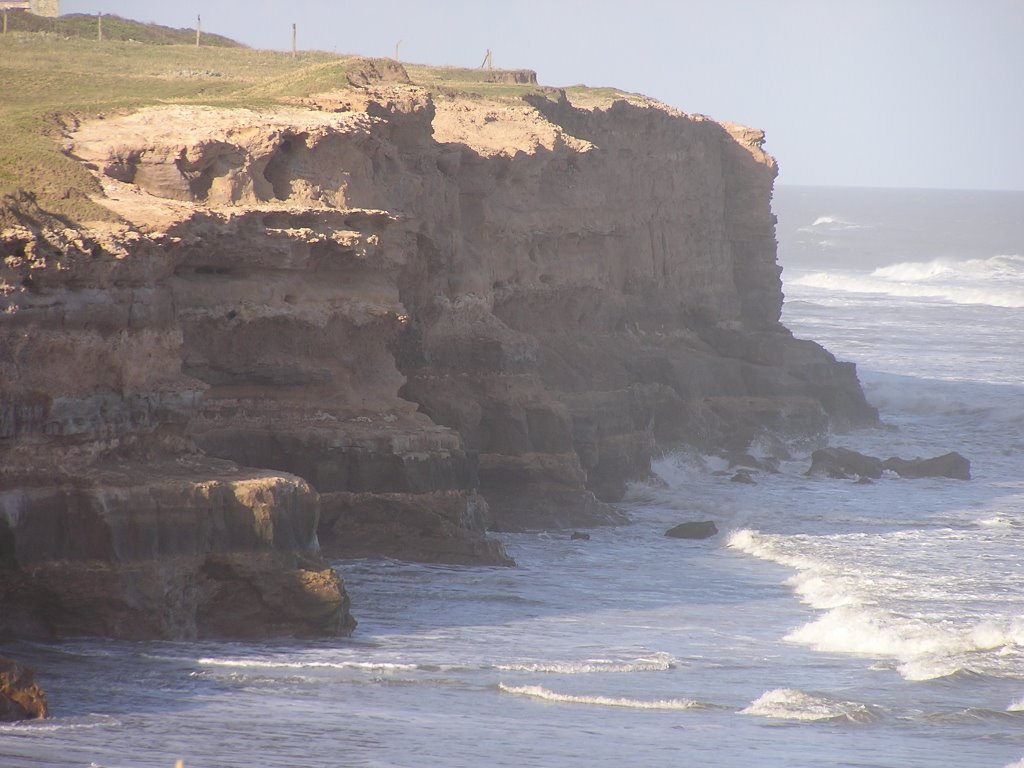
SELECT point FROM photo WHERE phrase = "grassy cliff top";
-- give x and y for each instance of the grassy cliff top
(114, 28)
(53, 75)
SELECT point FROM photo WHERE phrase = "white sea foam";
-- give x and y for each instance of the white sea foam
(830, 222)
(363, 666)
(997, 281)
(792, 704)
(1017, 706)
(88, 723)
(537, 692)
(860, 600)
(659, 662)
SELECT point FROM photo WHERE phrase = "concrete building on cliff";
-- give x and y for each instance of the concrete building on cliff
(38, 7)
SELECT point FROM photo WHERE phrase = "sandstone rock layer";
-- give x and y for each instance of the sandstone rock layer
(418, 319)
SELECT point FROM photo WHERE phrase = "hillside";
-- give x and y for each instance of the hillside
(114, 28)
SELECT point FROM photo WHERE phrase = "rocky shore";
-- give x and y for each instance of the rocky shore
(375, 321)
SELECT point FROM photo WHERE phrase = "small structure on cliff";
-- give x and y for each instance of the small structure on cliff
(49, 8)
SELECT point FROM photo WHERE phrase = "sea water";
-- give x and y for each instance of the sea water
(828, 624)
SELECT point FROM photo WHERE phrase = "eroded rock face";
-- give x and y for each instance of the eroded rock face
(111, 521)
(426, 318)
(158, 552)
(21, 698)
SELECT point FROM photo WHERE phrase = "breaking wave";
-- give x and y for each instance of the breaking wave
(362, 666)
(659, 662)
(865, 608)
(537, 692)
(831, 223)
(997, 281)
(791, 704)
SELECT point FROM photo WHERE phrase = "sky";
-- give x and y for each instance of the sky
(868, 93)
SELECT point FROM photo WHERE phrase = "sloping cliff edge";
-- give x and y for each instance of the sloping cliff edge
(373, 322)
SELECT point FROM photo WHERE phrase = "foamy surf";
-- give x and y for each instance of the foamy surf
(792, 704)
(861, 601)
(997, 281)
(362, 666)
(538, 692)
(660, 662)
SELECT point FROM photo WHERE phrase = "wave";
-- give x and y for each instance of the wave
(899, 393)
(792, 704)
(87, 723)
(831, 223)
(362, 666)
(659, 662)
(997, 281)
(537, 692)
(861, 613)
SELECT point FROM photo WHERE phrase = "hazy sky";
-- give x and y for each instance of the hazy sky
(905, 93)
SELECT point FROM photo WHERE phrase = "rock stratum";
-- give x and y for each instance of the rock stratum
(374, 322)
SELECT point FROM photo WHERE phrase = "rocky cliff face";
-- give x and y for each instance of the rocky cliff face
(417, 318)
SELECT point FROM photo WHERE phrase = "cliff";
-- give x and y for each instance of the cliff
(417, 314)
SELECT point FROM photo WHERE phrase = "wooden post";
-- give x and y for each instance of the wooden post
(5, 21)
(99, 27)
(294, 35)
(199, 25)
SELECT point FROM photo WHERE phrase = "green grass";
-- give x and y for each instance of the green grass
(57, 72)
(49, 80)
(114, 28)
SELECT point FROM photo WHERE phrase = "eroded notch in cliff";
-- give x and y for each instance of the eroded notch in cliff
(280, 169)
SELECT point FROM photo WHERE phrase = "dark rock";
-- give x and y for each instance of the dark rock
(746, 461)
(698, 529)
(948, 465)
(743, 477)
(440, 527)
(843, 463)
(580, 535)
(21, 698)
(864, 481)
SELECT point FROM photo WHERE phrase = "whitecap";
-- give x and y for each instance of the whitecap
(363, 666)
(538, 692)
(659, 662)
(834, 223)
(86, 723)
(997, 281)
(793, 704)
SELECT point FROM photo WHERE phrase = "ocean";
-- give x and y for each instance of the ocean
(828, 624)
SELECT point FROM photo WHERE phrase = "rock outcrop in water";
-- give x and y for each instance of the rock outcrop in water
(21, 698)
(842, 463)
(417, 320)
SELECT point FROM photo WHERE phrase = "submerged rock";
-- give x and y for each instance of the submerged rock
(698, 529)
(745, 461)
(579, 535)
(948, 465)
(21, 698)
(743, 477)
